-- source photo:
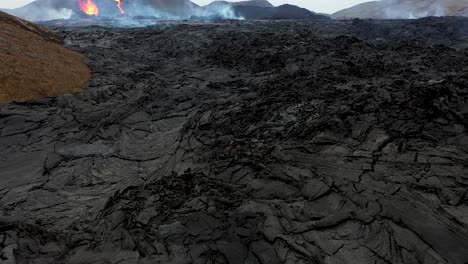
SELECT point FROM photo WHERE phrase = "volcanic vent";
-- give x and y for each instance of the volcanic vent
(93, 8)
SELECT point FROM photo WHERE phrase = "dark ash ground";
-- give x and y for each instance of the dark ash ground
(259, 143)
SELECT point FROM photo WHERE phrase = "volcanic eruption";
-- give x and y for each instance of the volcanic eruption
(119, 5)
(88, 7)
(92, 9)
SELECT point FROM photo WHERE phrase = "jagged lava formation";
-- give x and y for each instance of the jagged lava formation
(246, 142)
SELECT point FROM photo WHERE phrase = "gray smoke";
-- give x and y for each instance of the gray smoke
(411, 10)
(222, 11)
(34, 13)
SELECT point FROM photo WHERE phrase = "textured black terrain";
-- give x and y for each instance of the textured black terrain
(255, 142)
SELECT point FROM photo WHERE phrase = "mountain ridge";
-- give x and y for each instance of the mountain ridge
(41, 10)
(258, 3)
(404, 9)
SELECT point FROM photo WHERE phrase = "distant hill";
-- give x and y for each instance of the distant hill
(262, 9)
(406, 9)
(280, 12)
(259, 3)
(35, 64)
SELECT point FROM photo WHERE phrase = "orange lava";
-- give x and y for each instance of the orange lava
(119, 5)
(88, 7)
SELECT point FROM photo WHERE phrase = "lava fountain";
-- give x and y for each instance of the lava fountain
(88, 7)
(119, 5)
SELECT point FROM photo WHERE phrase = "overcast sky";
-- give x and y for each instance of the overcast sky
(323, 6)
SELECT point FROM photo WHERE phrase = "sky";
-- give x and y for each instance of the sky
(321, 6)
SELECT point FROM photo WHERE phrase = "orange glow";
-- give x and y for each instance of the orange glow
(89, 7)
(119, 5)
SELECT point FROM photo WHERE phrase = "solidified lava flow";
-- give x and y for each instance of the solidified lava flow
(256, 142)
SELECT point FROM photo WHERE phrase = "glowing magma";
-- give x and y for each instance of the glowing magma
(89, 7)
(119, 5)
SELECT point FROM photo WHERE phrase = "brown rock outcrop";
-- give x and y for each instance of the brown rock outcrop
(34, 64)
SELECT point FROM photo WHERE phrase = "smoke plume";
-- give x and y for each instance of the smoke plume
(412, 10)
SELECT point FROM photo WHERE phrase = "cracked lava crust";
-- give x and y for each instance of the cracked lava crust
(249, 142)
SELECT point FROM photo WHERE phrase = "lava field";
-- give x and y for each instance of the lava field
(334, 142)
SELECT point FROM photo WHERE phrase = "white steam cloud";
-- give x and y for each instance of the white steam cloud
(218, 11)
(407, 10)
(42, 14)
(222, 12)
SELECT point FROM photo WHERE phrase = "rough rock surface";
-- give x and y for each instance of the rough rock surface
(34, 63)
(254, 143)
(404, 9)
